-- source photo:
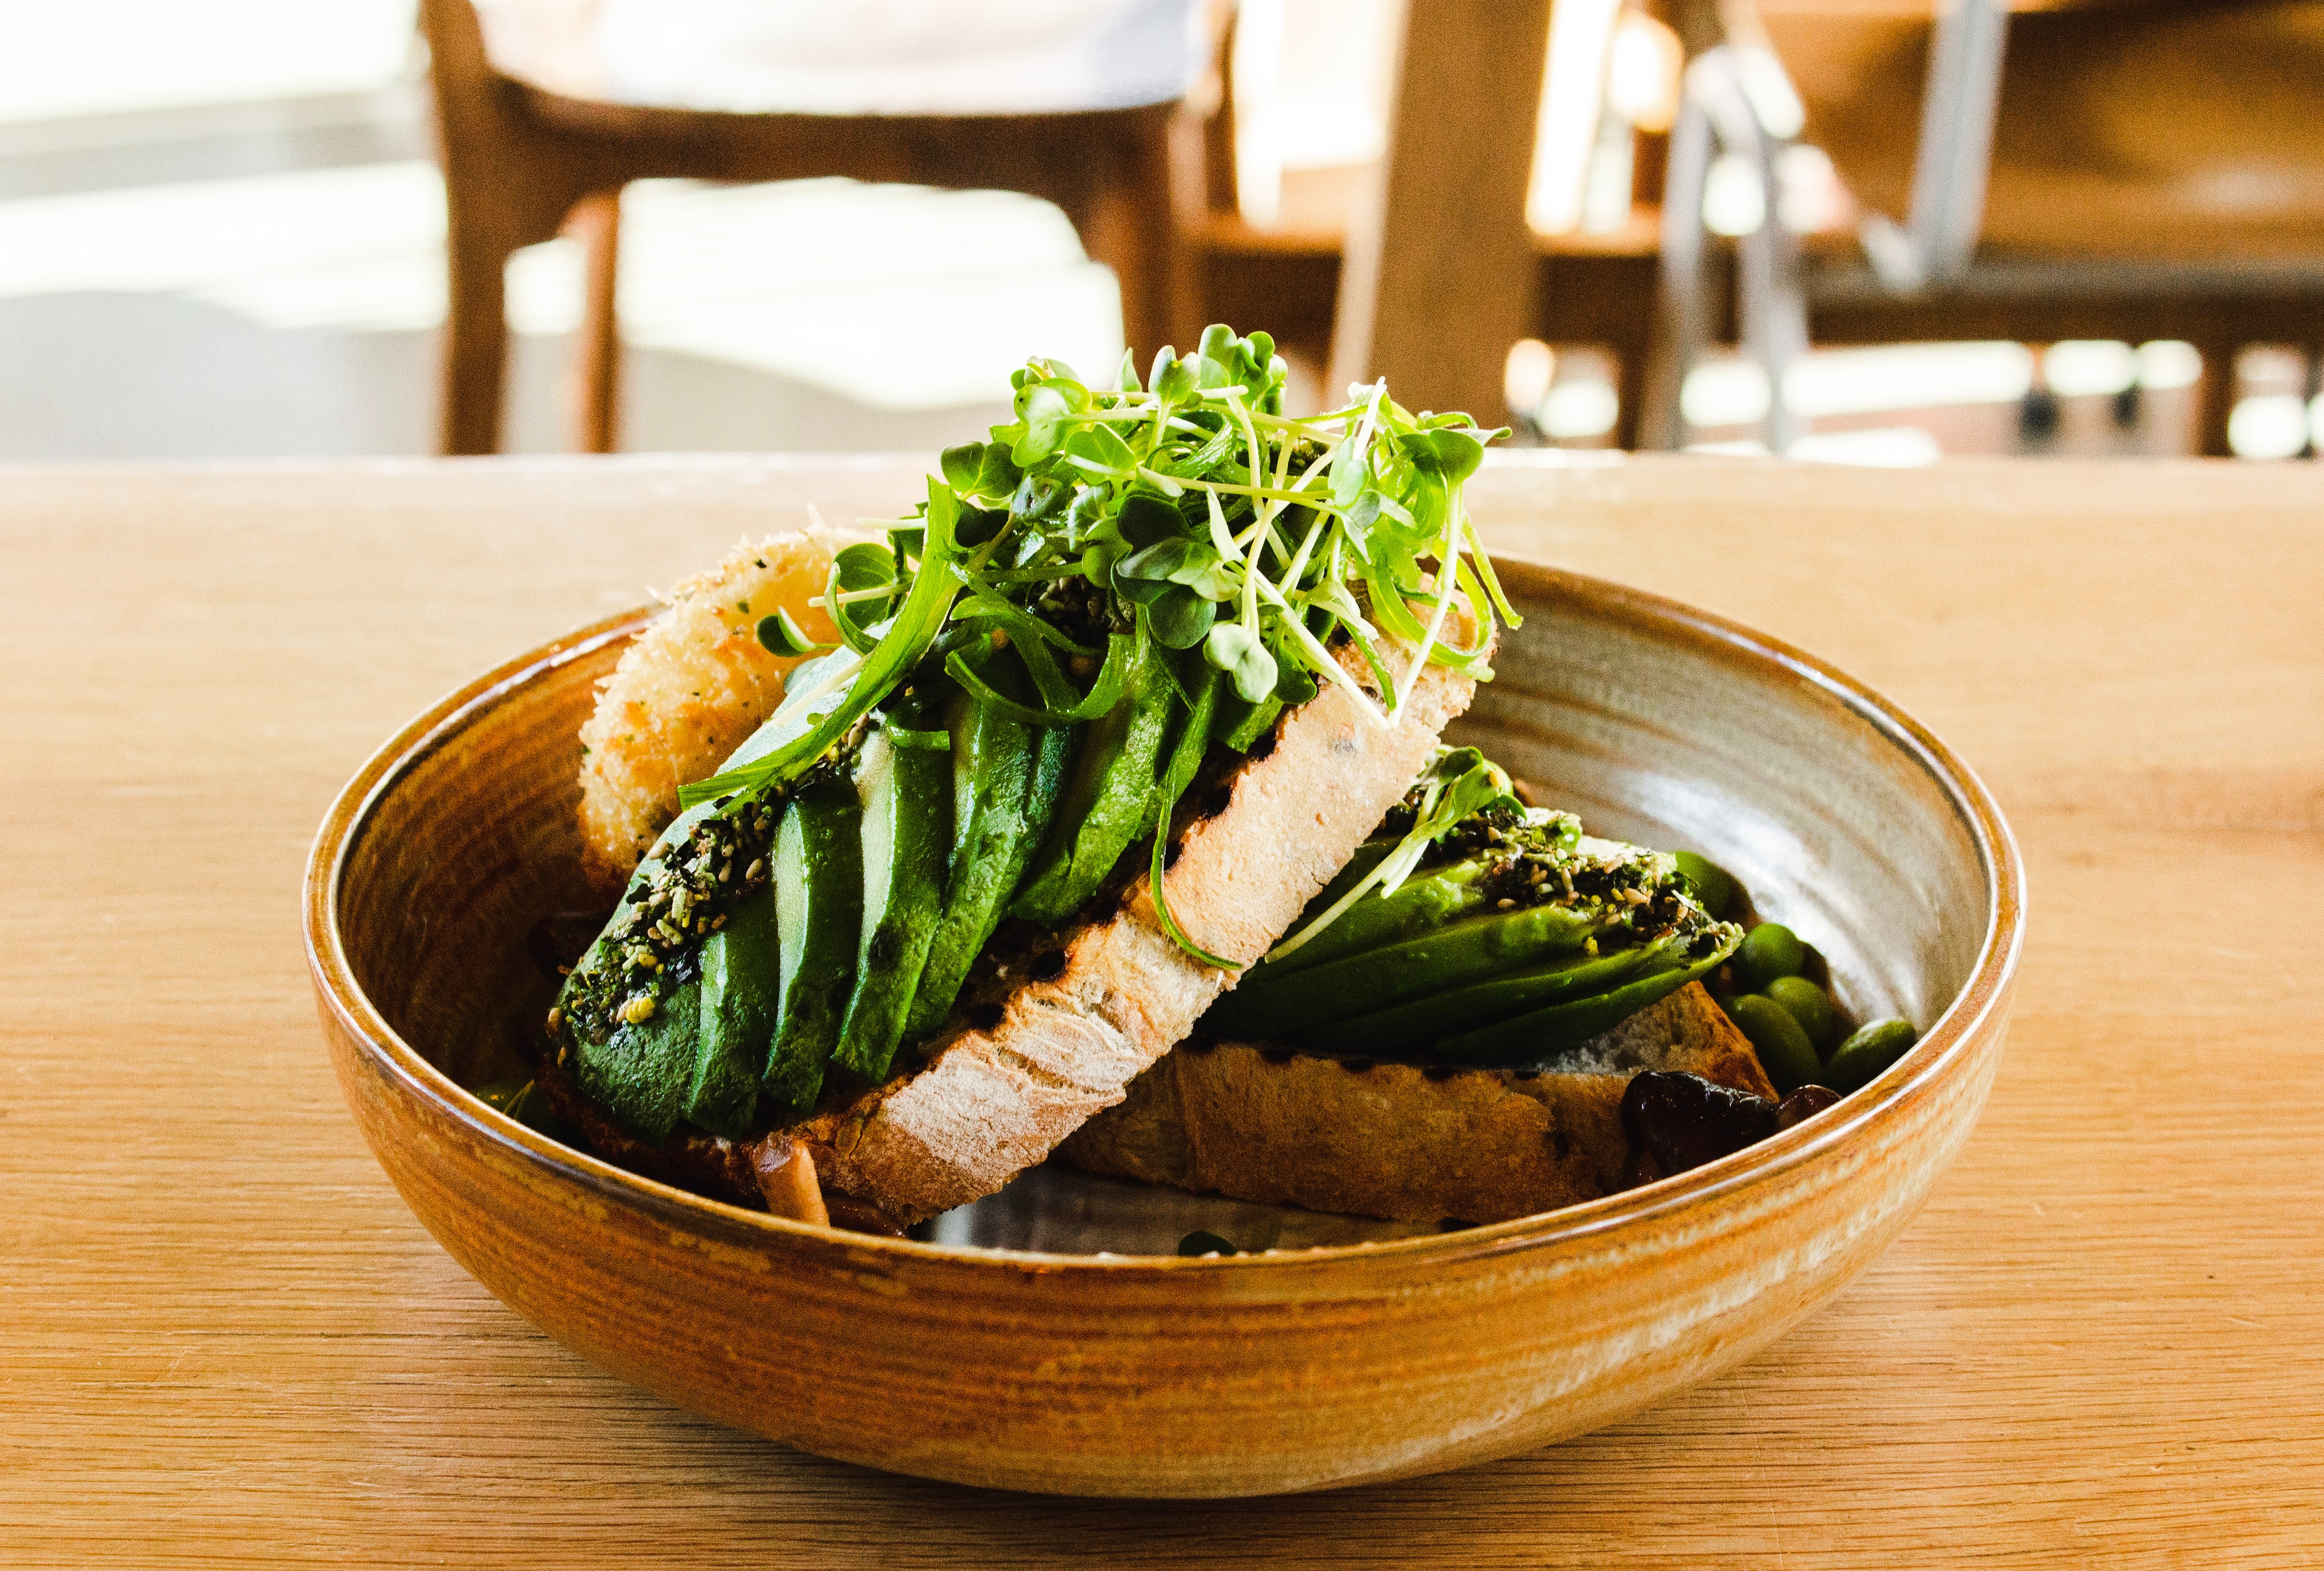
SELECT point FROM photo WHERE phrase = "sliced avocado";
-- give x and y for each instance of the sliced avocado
(1007, 778)
(905, 789)
(1533, 1036)
(1570, 978)
(741, 967)
(818, 879)
(1444, 894)
(1042, 890)
(1114, 779)
(642, 1071)
(1437, 961)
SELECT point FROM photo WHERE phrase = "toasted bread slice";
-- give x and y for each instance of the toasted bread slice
(992, 1102)
(1402, 1141)
(1115, 992)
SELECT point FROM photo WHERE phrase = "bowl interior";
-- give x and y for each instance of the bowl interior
(1675, 731)
(1653, 723)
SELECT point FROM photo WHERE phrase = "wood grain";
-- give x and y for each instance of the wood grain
(1425, 299)
(227, 1340)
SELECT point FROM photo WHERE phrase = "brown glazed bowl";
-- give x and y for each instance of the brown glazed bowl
(1147, 1376)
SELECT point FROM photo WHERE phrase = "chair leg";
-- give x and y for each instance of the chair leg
(1127, 220)
(507, 183)
(475, 342)
(2215, 399)
(596, 222)
(1631, 363)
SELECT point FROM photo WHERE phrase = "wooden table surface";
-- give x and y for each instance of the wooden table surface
(224, 1340)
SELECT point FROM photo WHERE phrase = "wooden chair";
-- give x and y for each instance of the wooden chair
(525, 158)
(2157, 172)
(1432, 272)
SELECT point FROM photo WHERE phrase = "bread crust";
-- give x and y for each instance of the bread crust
(992, 1102)
(1400, 1141)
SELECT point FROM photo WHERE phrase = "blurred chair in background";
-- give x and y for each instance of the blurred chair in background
(546, 108)
(1493, 172)
(2128, 169)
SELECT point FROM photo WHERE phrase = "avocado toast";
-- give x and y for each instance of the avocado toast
(1450, 1031)
(1099, 718)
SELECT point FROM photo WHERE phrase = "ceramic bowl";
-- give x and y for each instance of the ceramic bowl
(1156, 1375)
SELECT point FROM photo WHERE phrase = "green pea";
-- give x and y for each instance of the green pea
(1864, 1057)
(1714, 886)
(1783, 1050)
(1769, 950)
(1810, 1006)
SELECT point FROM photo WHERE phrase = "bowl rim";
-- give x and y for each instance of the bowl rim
(1939, 1048)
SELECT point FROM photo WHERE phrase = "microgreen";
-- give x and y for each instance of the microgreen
(778, 633)
(1185, 511)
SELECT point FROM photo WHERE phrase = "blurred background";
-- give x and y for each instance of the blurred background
(1861, 231)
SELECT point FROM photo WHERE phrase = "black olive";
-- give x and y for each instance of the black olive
(1803, 1105)
(1681, 1120)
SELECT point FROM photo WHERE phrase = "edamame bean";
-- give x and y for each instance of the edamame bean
(1714, 886)
(1810, 1006)
(1862, 1057)
(1783, 1047)
(1769, 950)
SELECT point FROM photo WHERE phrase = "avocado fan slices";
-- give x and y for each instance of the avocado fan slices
(1120, 585)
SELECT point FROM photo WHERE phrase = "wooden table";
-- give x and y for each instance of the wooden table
(223, 1339)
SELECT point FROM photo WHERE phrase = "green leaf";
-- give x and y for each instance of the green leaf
(1137, 591)
(1100, 448)
(979, 524)
(1180, 618)
(1039, 499)
(961, 465)
(910, 632)
(1240, 653)
(1167, 559)
(1044, 415)
(1453, 454)
(1121, 654)
(779, 634)
(1128, 381)
(854, 569)
(979, 468)
(1173, 380)
(1146, 520)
